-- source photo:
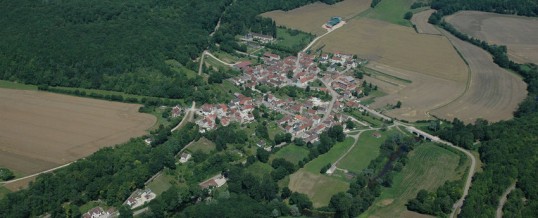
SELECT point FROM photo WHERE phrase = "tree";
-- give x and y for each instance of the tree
(125, 212)
(6, 174)
(398, 104)
(286, 193)
(262, 155)
(300, 200)
(408, 15)
(350, 124)
(341, 203)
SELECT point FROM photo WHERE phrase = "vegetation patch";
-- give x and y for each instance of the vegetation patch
(428, 167)
(366, 149)
(203, 145)
(392, 11)
(259, 169)
(319, 188)
(291, 153)
(330, 157)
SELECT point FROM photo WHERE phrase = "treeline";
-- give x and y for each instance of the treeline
(518, 7)
(438, 203)
(110, 175)
(366, 187)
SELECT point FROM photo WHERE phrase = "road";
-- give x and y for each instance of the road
(189, 116)
(503, 199)
(36, 174)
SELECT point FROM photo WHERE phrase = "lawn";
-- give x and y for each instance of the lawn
(203, 144)
(259, 169)
(319, 188)
(365, 151)
(428, 168)
(292, 38)
(371, 119)
(392, 11)
(177, 67)
(330, 157)
(15, 85)
(273, 129)
(161, 183)
(291, 153)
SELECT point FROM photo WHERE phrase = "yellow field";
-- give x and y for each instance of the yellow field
(310, 18)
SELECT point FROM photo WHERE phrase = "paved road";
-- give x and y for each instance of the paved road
(503, 199)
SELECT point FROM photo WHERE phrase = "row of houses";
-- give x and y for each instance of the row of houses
(237, 110)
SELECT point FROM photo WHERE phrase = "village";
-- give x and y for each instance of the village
(302, 118)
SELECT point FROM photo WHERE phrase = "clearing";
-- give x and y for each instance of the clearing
(330, 157)
(493, 94)
(428, 168)
(319, 188)
(310, 18)
(291, 153)
(392, 11)
(518, 33)
(40, 131)
(203, 144)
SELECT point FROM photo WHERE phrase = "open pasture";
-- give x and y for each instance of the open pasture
(518, 33)
(310, 18)
(39, 130)
(319, 188)
(428, 168)
(493, 94)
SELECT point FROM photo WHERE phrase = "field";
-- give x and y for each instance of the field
(366, 150)
(331, 156)
(312, 17)
(203, 145)
(39, 130)
(319, 188)
(420, 20)
(259, 169)
(286, 39)
(160, 184)
(428, 168)
(518, 33)
(292, 153)
(493, 94)
(391, 11)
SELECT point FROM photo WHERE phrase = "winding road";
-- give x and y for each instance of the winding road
(504, 198)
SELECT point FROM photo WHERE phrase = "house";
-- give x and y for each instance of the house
(242, 65)
(139, 198)
(333, 22)
(376, 135)
(96, 212)
(258, 37)
(185, 157)
(176, 111)
(216, 181)
(271, 56)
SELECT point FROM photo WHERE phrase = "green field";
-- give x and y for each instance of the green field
(319, 188)
(331, 156)
(428, 168)
(291, 153)
(365, 151)
(14, 85)
(177, 67)
(292, 38)
(392, 11)
(259, 169)
(160, 184)
(371, 119)
(3, 191)
(203, 145)
(273, 129)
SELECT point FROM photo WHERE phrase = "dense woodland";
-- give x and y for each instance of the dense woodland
(509, 149)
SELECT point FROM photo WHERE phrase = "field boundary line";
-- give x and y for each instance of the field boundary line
(36, 174)
(469, 77)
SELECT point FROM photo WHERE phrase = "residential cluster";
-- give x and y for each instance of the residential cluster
(237, 110)
(99, 212)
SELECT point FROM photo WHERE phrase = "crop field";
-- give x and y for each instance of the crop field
(366, 150)
(518, 33)
(319, 188)
(420, 20)
(428, 168)
(493, 94)
(292, 153)
(39, 130)
(311, 18)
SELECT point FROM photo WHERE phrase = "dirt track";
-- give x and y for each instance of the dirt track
(40, 130)
(493, 94)
(420, 20)
(518, 33)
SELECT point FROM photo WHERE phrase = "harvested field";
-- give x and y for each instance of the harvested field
(397, 46)
(518, 33)
(310, 18)
(420, 20)
(493, 94)
(424, 94)
(40, 130)
(319, 188)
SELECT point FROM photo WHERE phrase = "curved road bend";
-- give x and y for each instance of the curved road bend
(502, 201)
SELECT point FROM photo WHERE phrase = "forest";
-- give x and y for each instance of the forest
(518, 7)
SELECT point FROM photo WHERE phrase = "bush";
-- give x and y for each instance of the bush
(6, 174)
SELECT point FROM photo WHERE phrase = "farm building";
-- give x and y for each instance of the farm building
(258, 37)
(333, 22)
